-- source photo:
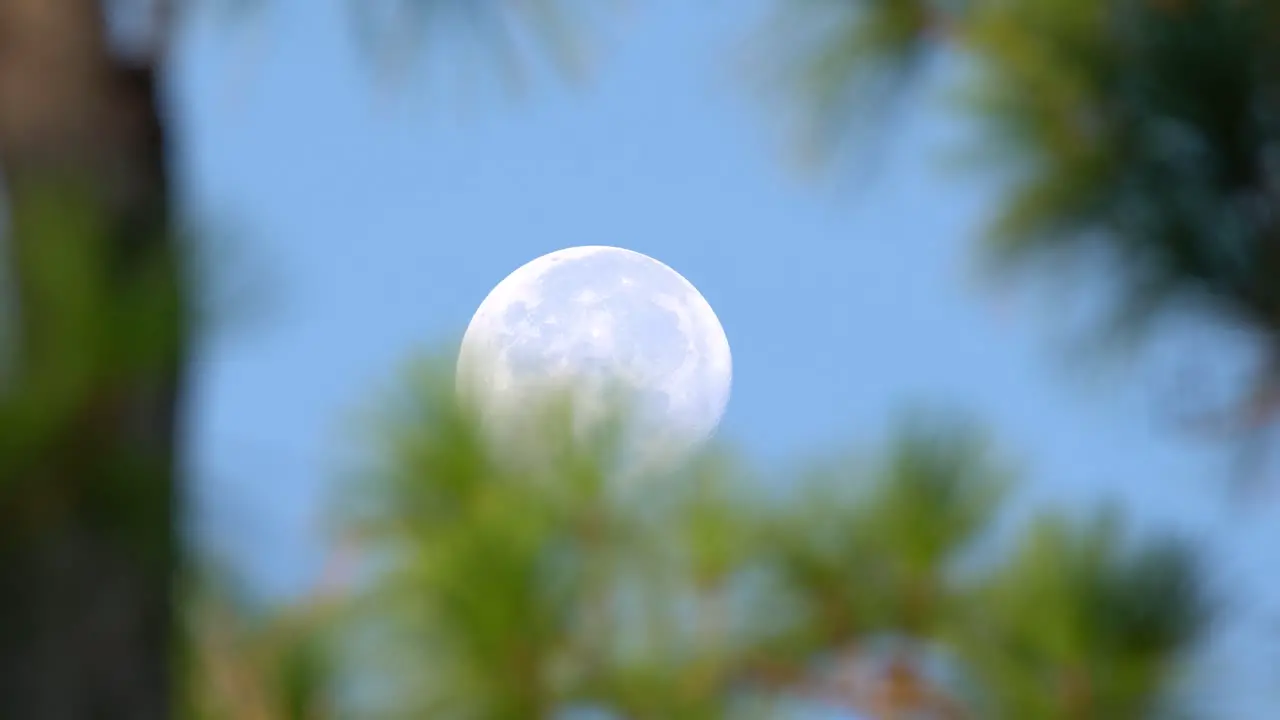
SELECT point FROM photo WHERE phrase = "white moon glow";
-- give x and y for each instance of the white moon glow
(602, 315)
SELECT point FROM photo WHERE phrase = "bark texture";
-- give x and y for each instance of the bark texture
(88, 417)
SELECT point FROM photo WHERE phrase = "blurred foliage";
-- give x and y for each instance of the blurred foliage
(1139, 134)
(535, 576)
(837, 67)
(95, 324)
(1079, 625)
(1149, 128)
(255, 663)
(496, 582)
(510, 38)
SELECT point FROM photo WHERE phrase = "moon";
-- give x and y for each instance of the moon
(596, 316)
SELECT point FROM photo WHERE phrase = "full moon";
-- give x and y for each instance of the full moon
(598, 316)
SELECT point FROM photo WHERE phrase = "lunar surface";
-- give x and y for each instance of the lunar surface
(597, 318)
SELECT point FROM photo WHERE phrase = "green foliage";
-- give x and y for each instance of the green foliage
(1078, 625)
(522, 576)
(864, 553)
(1144, 128)
(516, 577)
(94, 312)
(493, 552)
(250, 663)
(1139, 135)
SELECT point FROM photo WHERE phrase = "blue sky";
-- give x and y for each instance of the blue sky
(367, 223)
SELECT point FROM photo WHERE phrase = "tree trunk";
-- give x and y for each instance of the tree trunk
(88, 409)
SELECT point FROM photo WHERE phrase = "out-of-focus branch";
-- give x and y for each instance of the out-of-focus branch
(856, 683)
(88, 520)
